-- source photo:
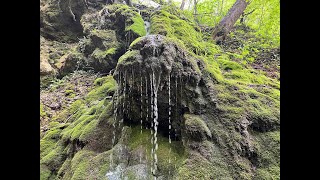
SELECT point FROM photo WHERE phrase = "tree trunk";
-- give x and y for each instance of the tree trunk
(227, 22)
(182, 4)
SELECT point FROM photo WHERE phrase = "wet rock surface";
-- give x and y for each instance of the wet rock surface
(146, 67)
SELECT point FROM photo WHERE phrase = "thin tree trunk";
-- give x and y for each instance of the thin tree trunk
(182, 4)
(227, 22)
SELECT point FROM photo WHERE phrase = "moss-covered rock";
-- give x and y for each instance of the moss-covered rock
(60, 20)
(157, 58)
(196, 128)
(197, 167)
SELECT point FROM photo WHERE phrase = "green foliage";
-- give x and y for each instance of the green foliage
(264, 16)
(212, 11)
(265, 19)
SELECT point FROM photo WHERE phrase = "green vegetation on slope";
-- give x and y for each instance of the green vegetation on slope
(241, 90)
(77, 123)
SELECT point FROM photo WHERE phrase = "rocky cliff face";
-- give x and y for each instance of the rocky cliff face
(173, 105)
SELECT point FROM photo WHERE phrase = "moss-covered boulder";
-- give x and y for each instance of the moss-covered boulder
(108, 33)
(195, 128)
(155, 65)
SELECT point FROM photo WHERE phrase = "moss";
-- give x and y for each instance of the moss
(196, 128)
(75, 129)
(170, 25)
(131, 176)
(137, 26)
(104, 54)
(78, 129)
(100, 92)
(55, 158)
(45, 173)
(197, 167)
(65, 168)
(85, 165)
(229, 65)
(133, 21)
(127, 55)
(69, 92)
(272, 173)
(88, 130)
(80, 164)
(103, 34)
(135, 42)
(49, 141)
(71, 113)
(42, 111)
(101, 162)
(111, 51)
(53, 124)
(84, 127)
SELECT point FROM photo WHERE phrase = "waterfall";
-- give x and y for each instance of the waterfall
(147, 114)
(151, 129)
(141, 101)
(155, 120)
(169, 117)
(154, 94)
(123, 104)
(147, 27)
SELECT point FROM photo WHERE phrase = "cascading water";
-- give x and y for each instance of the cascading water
(139, 77)
(147, 27)
(154, 101)
(169, 117)
(151, 129)
(141, 101)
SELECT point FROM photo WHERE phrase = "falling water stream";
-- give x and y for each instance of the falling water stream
(155, 120)
(141, 102)
(151, 129)
(147, 27)
(169, 117)
(147, 86)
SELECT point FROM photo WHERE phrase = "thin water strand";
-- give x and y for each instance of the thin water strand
(169, 117)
